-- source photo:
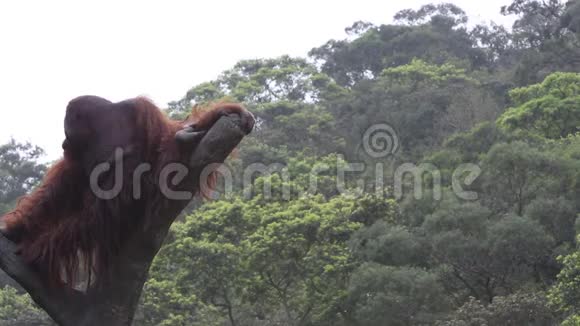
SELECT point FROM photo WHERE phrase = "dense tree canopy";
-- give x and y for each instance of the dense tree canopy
(299, 241)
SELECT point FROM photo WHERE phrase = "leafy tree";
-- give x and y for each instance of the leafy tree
(435, 36)
(565, 295)
(571, 17)
(19, 171)
(497, 44)
(550, 109)
(538, 21)
(516, 173)
(254, 82)
(484, 256)
(306, 257)
(388, 295)
(430, 12)
(17, 309)
(282, 93)
(544, 39)
(285, 250)
(295, 126)
(556, 215)
(475, 143)
(425, 102)
(512, 310)
(256, 263)
(390, 245)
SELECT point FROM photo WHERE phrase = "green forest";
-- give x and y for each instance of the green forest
(482, 230)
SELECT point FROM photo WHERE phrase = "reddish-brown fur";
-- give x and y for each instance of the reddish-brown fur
(62, 227)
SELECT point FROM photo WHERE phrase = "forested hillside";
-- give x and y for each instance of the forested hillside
(496, 108)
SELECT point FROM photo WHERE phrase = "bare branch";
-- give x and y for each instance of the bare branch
(60, 304)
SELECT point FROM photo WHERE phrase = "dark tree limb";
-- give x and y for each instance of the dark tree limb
(60, 304)
(114, 302)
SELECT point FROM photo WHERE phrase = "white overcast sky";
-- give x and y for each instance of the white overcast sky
(53, 51)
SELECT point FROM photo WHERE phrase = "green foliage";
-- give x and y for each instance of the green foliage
(256, 81)
(283, 252)
(550, 109)
(516, 173)
(254, 259)
(556, 215)
(19, 171)
(296, 126)
(431, 11)
(538, 22)
(571, 17)
(565, 296)
(484, 256)
(382, 295)
(17, 309)
(513, 310)
(475, 142)
(426, 103)
(438, 40)
(294, 246)
(420, 71)
(558, 85)
(389, 244)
